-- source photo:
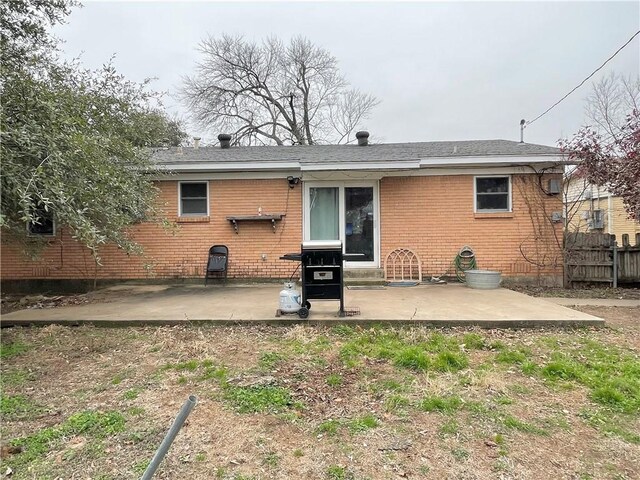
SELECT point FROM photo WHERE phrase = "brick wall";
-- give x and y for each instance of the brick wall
(185, 253)
(431, 215)
(434, 216)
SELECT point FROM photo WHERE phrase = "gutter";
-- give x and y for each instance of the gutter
(481, 161)
(228, 167)
(389, 165)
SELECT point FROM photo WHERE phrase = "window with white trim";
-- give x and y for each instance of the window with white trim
(493, 194)
(194, 199)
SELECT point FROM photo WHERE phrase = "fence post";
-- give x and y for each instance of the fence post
(615, 264)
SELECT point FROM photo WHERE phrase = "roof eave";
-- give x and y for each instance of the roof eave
(228, 167)
(374, 165)
(491, 161)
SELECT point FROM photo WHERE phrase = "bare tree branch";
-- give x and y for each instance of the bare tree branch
(610, 101)
(291, 94)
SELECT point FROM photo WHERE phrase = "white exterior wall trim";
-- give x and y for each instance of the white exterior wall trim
(352, 175)
(443, 162)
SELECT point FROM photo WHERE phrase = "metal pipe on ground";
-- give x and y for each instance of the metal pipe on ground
(169, 438)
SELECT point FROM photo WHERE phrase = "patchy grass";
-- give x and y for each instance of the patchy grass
(187, 365)
(612, 376)
(271, 460)
(334, 380)
(474, 341)
(91, 423)
(449, 427)
(131, 394)
(8, 350)
(512, 422)
(460, 454)
(255, 399)
(362, 424)
(269, 360)
(448, 404)
(341, 402)
(414, 358)
(18, 407)
(336, 472)
(436, 352)
(611, 424)
(385, 386)
(16, 377)
(196, 370)
(329, 427)
(356, 425)
(396, 404)
(449, 361)
(512, 356)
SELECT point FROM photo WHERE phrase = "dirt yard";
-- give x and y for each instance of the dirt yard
(625, 293)
(341, 403)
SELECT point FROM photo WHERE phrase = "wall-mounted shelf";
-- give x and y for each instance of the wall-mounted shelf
(273, 218)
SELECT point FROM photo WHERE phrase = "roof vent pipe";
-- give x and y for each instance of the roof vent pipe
(363, 138)
(225, 140)
(196, 143)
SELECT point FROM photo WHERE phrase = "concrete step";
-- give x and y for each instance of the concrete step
(364, 281)
(364, 273)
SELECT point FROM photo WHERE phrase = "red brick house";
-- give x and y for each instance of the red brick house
(430, 197)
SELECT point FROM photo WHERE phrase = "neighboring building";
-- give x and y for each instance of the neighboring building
(590, 208)
(432, 197)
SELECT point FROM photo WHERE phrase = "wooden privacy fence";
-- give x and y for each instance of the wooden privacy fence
(597, 257)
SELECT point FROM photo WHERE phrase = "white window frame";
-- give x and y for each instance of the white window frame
(180, 214)
(341, 185)
(475, 195)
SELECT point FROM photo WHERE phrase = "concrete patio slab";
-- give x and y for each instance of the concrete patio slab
(444, 305)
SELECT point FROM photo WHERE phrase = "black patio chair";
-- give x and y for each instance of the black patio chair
(217, 263)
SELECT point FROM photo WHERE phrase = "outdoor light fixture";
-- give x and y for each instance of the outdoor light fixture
(293, 181)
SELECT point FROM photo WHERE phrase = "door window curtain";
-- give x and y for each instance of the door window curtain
(324, 215)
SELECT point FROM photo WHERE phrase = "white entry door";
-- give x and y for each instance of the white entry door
(345, 211)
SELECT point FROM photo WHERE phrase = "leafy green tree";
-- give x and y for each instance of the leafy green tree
(23, 29)
(75, 143)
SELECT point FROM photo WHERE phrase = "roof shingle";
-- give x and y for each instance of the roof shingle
(311, 154)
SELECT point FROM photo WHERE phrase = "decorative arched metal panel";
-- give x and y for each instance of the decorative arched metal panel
(403, 265)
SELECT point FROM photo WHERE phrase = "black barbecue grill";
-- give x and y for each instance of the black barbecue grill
(322, 265)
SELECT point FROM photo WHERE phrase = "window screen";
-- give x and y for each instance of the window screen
(492, 194)
(193, 198)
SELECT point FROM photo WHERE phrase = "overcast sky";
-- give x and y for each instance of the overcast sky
(443, 71)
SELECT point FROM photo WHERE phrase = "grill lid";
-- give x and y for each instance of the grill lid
(322, 245)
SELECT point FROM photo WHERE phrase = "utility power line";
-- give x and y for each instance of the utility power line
(583, 81)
